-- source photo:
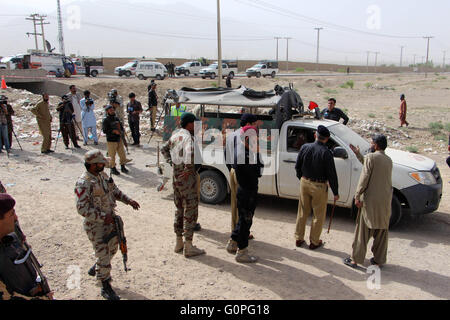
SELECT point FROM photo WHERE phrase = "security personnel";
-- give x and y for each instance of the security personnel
(333, 113)
(117, 102)
(315, 169)
(152, 104)
(113, 129)
(179, 152)
(96, 196)
(66, 121)
(44, 121)
(177, 110)
(17, 274)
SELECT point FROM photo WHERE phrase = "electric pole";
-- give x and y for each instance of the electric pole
(287, 53)
(401, 55)
(60, 31)
(42, 18)
(376, 57)
(219, 45)
(368, 53)
(34, 17)
(443, 61)
(414, 63)
(318, 38)
(428, 52)
(277, 38)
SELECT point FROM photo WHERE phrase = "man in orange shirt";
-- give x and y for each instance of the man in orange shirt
(402, 112)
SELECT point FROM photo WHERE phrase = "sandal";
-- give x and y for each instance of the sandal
(349, 262)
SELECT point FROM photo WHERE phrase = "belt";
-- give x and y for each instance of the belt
(315, 180)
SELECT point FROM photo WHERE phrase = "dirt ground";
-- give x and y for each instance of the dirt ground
(418, 260)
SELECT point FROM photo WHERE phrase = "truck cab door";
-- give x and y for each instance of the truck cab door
(343, 164)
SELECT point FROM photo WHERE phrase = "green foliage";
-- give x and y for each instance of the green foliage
(412, 149)
(436, 125)
(371, 115)
(348, 84)
(319, 85)
(440, 137)
(368, 84)
(447, 127)
(330, 91)
(342, 70)
(214, 84)
(300, 70)
(390, 117)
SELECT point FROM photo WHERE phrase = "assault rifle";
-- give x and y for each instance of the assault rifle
(120, 233)
(42, 288)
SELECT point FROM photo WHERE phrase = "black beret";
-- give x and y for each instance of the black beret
(248, 118)
(323, 131)
(6, 203)
(186, 118)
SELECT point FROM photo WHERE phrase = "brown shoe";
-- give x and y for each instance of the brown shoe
(312, 246)
(299, 243)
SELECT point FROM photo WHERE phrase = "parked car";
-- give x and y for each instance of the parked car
(150, 69)
(187, 68)
(95, 65)
(263, 68)
(229, 68)
(127, 69)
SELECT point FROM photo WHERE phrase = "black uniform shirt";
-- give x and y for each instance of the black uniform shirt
(152, 98)
(315, 161)
(336, 114)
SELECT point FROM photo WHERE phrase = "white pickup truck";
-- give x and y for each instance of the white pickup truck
(188, 68)
(95, 65)
(263, 68)
(212, 71)
(416, 179)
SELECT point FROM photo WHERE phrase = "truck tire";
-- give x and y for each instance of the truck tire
(158, 77)
(249, 76)
(177, 73)
(258, 74)
(212, 76)
(186, 73)
(128, 74)
(141, 77)
(94, 73)
(213, 188)
(203, 77)
(273, 74)
(396, 212)
(231, 74)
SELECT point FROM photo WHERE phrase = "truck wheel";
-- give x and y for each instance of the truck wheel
(231, 75)
(396, 212)
(249, 76)
(258, 75)
(186, 73)
(94, 73)
(141, 77)
(158, 77)
(178, 73)
(128, 74)
(213, 188)
(213, 76)
(273, 74)
(203, 77)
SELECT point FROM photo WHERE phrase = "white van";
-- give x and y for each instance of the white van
(150, 69)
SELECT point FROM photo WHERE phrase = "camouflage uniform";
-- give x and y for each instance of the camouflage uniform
(96, 197)
(179, 152)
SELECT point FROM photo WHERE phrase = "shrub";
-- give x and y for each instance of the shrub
(440, 137)
(300, 70)
(368, 84)
(436, 125)
(330, 91)
(214, 84)
(319, 85)
(412, 149)
(350, 83)
(344, 86)
(342, 70)
(371, 115)
(447, 127)
(390, 117)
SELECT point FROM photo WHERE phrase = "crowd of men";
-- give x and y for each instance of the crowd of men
(96, 192)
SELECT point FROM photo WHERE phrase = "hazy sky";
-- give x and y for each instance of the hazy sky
(187, 29)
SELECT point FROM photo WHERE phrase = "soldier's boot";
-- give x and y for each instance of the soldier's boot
(191, 250)
(179, 246)
(123, 169)
(114, 171)
(92, 271)
(243, 256)
(108, 292)
(232, 246)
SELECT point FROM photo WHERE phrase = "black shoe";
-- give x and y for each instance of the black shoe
(50, 151)
(67, 147)
(77, 146)
(92, 271)
(197, 227)
(153, 129)
(108, 292)
(114, 171)
(45, 152)
(123, 169)
(96, 143)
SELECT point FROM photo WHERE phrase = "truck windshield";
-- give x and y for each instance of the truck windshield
(258, 66)
(350, 137)
(186, 64)
(128, 65)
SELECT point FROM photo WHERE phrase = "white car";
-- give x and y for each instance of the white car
(263, 69)
(150, 69)
(187, 68)
(212, 71)
(127, 69)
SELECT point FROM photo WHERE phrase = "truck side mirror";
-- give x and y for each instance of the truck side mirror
(340, 152)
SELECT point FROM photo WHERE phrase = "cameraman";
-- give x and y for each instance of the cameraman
(8, 119)
(117, 102)
(66, 119)
(88, 117)
(134, 109)
(4, 125)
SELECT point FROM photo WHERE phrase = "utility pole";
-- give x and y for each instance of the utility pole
(287, 53)
(33, 17)
(277, 38)
(443, 61)
(60, 31)
(376, 57)
(401, 55)
(318, 38)
(428, 52)
(42, 18)
(414, 63)
(368, 53)
(219, 45)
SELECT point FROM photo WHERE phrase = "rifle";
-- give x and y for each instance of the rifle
(42, 288)
(120, 233)
(122, 135)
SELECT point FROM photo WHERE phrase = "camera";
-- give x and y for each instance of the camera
(112, 98)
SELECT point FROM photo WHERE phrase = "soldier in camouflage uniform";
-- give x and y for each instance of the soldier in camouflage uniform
(96, 196)
(179, 152)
